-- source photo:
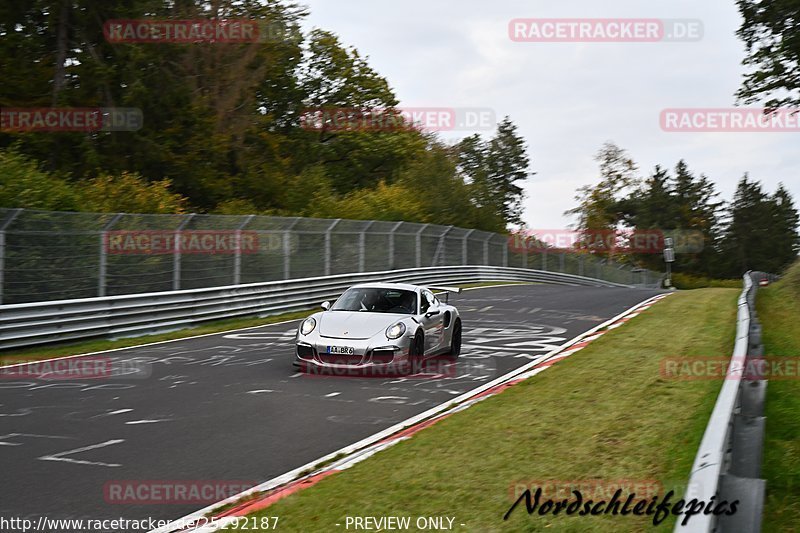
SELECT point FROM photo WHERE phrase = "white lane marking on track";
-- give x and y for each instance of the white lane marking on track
(12, 435)
(331, 395)
(60, 456)
(111, 413)
(152, 421)
(259, 391)
(485, 309)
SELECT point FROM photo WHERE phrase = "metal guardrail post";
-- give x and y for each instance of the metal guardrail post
(7, 222)
(362, 245)
(287, 250)
(419, 245)
(176, 254)
(103, 263)
(237, 256)
(486, 250)
(328, 246)
(465, 247)
(441, 247)
(391, 245)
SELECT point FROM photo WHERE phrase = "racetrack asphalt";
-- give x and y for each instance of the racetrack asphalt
(229, 411)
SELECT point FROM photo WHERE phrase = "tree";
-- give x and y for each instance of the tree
(507, 163)
(748, 243)
(771, 33)
(601, 206)
(784, 234)
(493, 170)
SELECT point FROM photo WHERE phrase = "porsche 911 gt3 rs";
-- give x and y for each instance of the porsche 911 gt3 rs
(390, 327)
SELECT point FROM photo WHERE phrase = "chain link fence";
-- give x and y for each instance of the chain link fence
(46, 255)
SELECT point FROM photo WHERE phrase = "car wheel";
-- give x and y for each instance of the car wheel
(455, 341)
(416, 352)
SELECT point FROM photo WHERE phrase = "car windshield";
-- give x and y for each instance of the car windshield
(377, 300)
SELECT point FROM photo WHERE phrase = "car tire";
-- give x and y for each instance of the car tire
(416, 353)
(455, 340)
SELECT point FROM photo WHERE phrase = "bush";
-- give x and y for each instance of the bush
(688, 282)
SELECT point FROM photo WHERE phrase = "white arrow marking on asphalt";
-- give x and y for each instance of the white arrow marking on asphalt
(60, 456)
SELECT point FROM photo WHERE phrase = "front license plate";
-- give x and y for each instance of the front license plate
(341, 350)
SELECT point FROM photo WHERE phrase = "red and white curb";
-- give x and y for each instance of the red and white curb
(267, 493)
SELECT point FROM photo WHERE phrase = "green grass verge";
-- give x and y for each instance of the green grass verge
(778, 310)
(37, 353)
(603, 414)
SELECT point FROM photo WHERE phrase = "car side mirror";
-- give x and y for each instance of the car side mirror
(432, 313)
(326, 305)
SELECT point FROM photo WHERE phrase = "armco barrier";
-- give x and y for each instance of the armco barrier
(140, 314)
(728, 462)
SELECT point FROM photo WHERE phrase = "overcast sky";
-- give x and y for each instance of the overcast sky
(569, 98)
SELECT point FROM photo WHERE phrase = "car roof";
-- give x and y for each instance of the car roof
(386, 285)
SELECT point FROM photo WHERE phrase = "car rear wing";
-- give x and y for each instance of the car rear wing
(447, 290)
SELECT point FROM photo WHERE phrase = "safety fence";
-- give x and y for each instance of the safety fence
(140, 314)
(47, 255)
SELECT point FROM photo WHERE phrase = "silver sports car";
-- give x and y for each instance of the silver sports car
(379, 327)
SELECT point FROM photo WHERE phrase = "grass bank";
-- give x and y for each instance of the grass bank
(779, 310)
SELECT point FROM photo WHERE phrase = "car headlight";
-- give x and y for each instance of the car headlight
(396, 331)
(308, 326)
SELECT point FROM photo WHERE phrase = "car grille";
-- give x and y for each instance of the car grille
(339, 359)
(305, 352)
(382, 356)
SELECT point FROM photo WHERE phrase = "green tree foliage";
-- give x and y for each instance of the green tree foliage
(22, 183)
(771, 32)
(757, 231)
(224, 127)
(130, 193)
(493, 169)
(762, 232)
(599, 207)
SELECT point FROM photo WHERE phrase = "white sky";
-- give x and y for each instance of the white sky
(568, 98)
